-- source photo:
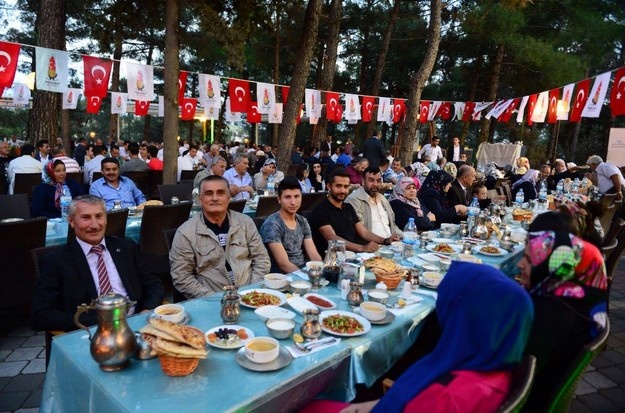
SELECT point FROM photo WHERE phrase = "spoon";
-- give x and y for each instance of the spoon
(312, 344)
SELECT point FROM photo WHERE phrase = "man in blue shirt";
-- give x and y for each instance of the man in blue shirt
(241, 186)
(113, 187)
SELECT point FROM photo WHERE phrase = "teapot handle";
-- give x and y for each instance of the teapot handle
(83, 308)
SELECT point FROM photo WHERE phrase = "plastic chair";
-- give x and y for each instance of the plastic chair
(188, 175)
(26, 183)
(561, 399)
(169, 234)
(182, 190)
(17, 279)
(237, 206)
(310, 201)
(267, 205)
(115, 225)
(14, 206)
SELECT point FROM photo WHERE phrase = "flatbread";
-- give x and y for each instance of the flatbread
(175, 349)
(381, 265)
(183, 334)
(148, 203)
(148, 329)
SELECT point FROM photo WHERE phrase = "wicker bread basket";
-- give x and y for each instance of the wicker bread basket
(391, 280)
(177, 366)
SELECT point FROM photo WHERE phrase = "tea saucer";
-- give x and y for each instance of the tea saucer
(283, 360)
(386, 320)
(185, 318)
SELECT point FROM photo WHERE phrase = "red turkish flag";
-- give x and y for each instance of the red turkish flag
(93, 104)
(252, 113)
(367, 108)
(285, 94)
(97, 73)
(142, 107)
(188, 106)
(444, 111)
(239, 91)
(9, 53)
(399, 109)
(182, 84)
(424, 111)
(469, 107)
(531, 104)
(617, 95)
(332, 103)
(338, 113)
(581, 97)
(506, 114)
(552, 114)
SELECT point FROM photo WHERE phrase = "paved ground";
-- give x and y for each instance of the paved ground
(22, 364)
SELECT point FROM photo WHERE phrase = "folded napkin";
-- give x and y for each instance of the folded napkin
(410, 301)
(423, 291)
(296, 352)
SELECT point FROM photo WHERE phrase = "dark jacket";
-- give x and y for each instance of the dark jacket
(457, 196)
(450, 152)
(65, 282)
(374, 151)
(436, 202)
(403, 212)
(43, 199)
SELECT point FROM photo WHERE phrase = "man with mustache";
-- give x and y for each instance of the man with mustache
(218, 247)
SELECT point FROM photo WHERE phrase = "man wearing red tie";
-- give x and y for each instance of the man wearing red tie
(88, 267)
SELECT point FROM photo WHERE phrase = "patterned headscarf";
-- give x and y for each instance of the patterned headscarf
(437, 180)
(398, 193)
(51, 179)
(529, 176)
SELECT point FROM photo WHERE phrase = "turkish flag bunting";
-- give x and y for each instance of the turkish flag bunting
(424, 111)
(468, 111)
(239, 91)
(332, 103)
(506, 114)
(367, 108)
(552, 114)
(9, 53)
(617, 96)
(97, 73)
(252, 113)
(338, 113)
(182, 85)
(581, 96)
(531, 104)
(285, 94)
(444, 111)
(142, 107)
(93, 104)
(399, 109)
(188, 106)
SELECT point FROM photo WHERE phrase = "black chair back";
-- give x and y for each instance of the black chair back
(181, 190)
(115, 225)
(14, 206)
(238, 206)
(26, 183)
(141, 179)
(522, 380)
(188, 175)
(156, 179)
(267, 205)
(169, 234)
(76, 176)
(310, 201)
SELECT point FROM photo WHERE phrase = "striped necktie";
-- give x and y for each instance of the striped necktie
(103, 277)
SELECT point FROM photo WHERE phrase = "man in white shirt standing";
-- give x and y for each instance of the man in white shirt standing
(432, 149)
(606, 176)
(25, 164)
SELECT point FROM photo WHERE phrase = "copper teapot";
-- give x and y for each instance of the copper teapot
(114, 342)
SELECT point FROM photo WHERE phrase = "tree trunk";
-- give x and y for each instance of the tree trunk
(329, 64)
(172, 69)
(492, 90)
(417, 82)
(298, 84)
(276, 68)
(472, 91)
(379, 67)
(43, 118)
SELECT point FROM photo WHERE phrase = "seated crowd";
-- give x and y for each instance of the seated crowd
(562, 270)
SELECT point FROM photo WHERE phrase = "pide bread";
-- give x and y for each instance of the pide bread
(148, 203)
(175, 349)
(183, 334)
(381, 265)
(148, 329)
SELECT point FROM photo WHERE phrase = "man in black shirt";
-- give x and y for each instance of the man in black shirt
(333, 219)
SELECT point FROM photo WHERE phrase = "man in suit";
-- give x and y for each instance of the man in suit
(81, 271)
(455, 151)
(374, 150)
(460, 191)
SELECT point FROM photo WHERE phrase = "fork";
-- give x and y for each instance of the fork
(306, 347)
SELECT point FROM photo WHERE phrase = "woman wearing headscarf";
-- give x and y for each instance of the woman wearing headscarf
(484, 332)
(585, 216)
(567, 280)
(47, 195)
(527, 183)
(433, 196)
(406, 205)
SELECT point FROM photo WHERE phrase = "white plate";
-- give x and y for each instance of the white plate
(363, 321)
(499, 254)
(229, 346)
(299, 304)
(332, 303)
(445, 240)
(283, 360)
(271, 311)
(456, 248)
(275, 293)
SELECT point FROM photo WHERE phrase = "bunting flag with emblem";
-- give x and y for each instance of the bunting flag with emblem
(93, 104)
(552, 112)
(399, 110)
(211, 113)
(531, 105)
(285, 94)
(312, 99)
(352, 106)
(458, 110)
(477, 110)
(434, 107)
(541, 107)
(161, 106)
(617, 95)
(597, 96)
(265, 97)
(119, 103)
(239, 91)
(507, 114)
(70, 98)
(182, 84)
(367, 108)
(21, 94)
(580, 100)
(9, 54)
(424, 111)
(253, 116)
(467, 113)
(498, 108)
(444, 111)
(142, 107)
(209, 91)
(332, 102)
(385, 109)
(97, 73)
(567, 94)
(276, 114)
(52, 69)
(140, 81)
(188, 107)
(230, 115)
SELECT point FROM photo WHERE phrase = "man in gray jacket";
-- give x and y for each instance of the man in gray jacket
(372, 208)
(218, 247)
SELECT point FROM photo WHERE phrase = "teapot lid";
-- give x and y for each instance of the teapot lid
(110, 301)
